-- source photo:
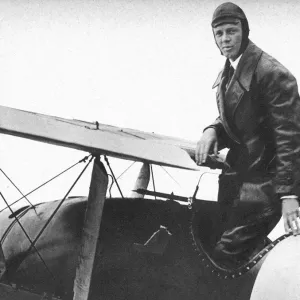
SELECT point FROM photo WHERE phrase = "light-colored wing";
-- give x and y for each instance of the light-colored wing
(98, 138)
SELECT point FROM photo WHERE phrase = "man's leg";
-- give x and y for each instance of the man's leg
(252, 216)
(240, 243)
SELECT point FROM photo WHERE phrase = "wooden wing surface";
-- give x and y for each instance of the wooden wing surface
(99, 138)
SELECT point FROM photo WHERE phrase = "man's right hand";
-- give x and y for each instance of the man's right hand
(291, 214)
(207, 143)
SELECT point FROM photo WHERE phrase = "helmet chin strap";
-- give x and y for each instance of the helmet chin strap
(245, 39)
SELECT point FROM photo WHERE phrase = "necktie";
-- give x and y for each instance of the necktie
(229, 76)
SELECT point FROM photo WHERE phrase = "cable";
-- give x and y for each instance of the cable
(111, 185)
(17, 189)
(112, 173)
(29, 239)
(197, 186)
(151, 168)
(80, 161)
(126, 170)
(171, 176)
(22, 257)
(61, 202)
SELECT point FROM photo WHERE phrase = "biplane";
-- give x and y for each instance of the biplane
(99, 247)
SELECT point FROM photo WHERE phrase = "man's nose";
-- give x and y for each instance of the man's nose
(225, 37)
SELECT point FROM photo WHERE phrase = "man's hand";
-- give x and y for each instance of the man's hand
(207, 143)
(291, 214)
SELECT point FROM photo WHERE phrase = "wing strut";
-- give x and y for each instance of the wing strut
(90, 233)
(142, 181)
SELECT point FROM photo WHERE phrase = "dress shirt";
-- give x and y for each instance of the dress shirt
(235, 63)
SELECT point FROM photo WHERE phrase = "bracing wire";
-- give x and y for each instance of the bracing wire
(61, 202)
(21, 258)
(51, 179)
(113, 180)
(112, 173)
(126, 170)
(23, 196)
(171, 177)
(153, 182)
(29, 239)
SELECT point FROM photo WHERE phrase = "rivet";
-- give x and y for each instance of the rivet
(225, 277)
(254, 262)
(233, 276)
(240, 273)
(260, 256)
(248, 268)
(267, 250)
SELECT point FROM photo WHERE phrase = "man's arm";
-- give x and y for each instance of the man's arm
(212, 140)
(221, 133)
(282, 101)
(283, 106)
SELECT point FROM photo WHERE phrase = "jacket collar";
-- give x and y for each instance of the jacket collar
(246, 66)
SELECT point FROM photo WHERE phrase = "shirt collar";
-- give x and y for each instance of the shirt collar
(235, 63)
(245, 71)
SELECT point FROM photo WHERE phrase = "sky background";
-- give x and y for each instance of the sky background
(141, 64)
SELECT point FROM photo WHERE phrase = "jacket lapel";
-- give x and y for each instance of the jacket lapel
(233, 96)
(242, 77)
(221, 106)
(228, 100)
(247, 65)
(219, 78)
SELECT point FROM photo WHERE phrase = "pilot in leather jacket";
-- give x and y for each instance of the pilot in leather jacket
(259, 121)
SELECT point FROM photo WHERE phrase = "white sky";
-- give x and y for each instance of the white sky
(142, 64)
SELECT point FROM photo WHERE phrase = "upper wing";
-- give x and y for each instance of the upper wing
(99, 138)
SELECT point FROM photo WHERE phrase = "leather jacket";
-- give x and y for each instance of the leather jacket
(259, 120)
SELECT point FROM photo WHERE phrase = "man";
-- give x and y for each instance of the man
(259, 122)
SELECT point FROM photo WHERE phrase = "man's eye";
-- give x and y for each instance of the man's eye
(218, 34)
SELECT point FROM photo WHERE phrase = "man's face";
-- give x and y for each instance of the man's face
(229, 39)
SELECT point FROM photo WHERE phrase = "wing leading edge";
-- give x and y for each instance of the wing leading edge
(99, 138)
